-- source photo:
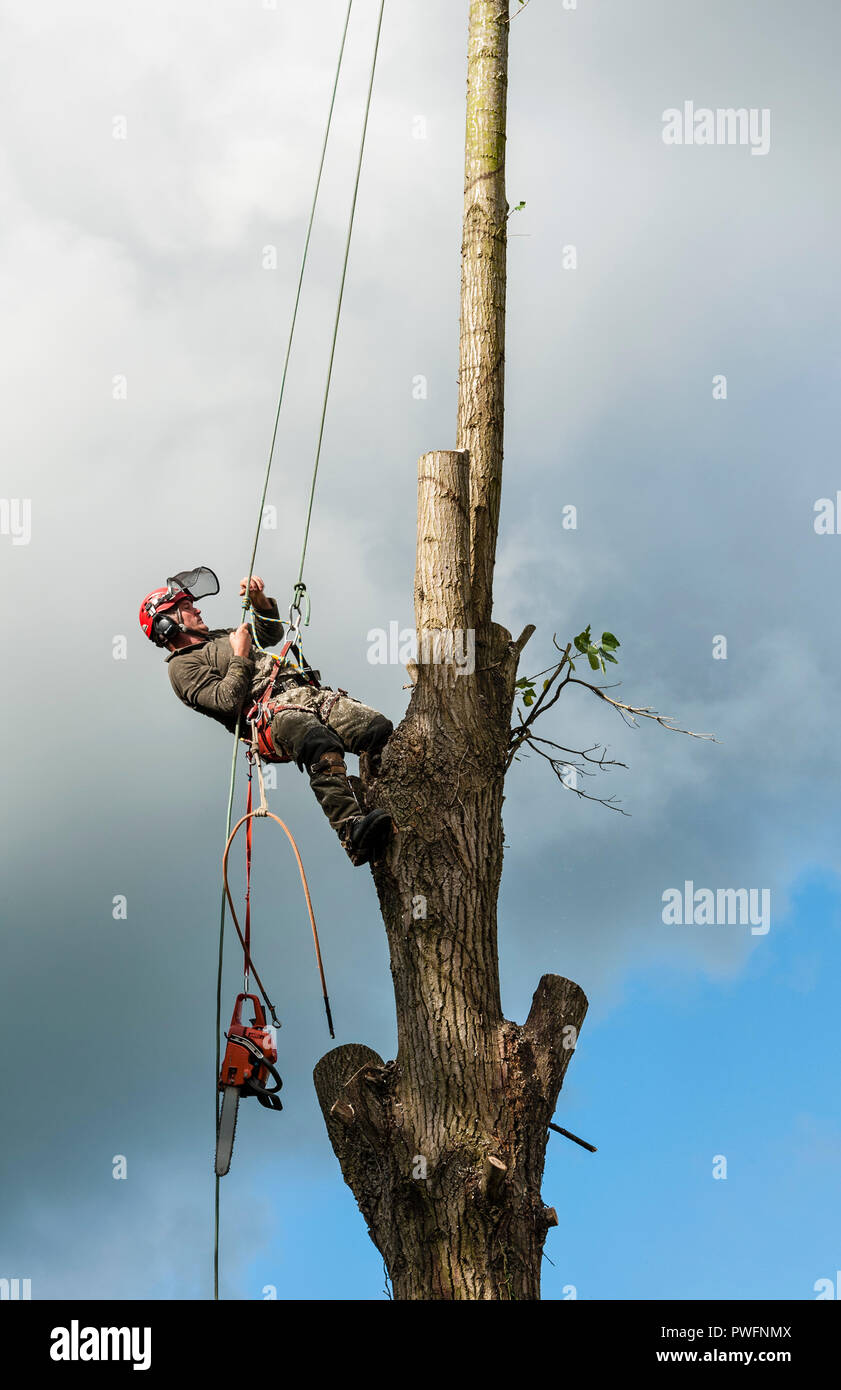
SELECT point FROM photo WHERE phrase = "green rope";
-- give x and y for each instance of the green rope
(341, 291)
(219, 1012)
(244, 611)
(295, 310)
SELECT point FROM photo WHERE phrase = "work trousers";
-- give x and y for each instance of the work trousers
(310, 723)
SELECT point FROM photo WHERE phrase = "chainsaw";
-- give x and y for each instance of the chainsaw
(247, 1067)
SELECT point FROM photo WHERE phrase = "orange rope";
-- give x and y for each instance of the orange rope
(249, 817)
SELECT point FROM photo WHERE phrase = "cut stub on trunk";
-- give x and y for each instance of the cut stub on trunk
(448, 1179)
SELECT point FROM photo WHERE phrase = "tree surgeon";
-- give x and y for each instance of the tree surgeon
(291, 715)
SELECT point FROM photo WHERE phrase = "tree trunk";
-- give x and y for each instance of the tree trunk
(444, 1147)
(483, 283)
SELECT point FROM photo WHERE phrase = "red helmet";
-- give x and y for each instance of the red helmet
(189, 584)
(153, 607)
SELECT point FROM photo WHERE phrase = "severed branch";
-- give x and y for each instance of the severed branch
(553, 1025)
(493, 1177)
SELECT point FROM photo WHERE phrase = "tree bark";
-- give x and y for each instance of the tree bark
(444, 1147)
(483, 289)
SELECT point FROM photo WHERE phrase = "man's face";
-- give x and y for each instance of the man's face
(189, 615)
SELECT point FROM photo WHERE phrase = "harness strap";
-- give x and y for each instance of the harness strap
(260, 717)
(262, 712)
(254, 756)
(290, 642)
(326, 707)
(246, 968)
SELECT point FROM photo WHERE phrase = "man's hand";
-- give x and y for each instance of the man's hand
(255, 593)
(240, 640)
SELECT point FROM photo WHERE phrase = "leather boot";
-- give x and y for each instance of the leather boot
(362, 836)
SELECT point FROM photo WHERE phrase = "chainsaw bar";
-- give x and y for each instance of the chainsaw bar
(227, 1129)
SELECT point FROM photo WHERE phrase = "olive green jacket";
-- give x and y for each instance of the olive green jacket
(208, 677)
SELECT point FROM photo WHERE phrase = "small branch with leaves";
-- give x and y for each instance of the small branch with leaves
(598, 654)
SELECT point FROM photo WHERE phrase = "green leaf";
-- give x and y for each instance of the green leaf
(608, 640)
(593, 660)
(528, 698)
(607, 657)
(545, 685)
(582, 641)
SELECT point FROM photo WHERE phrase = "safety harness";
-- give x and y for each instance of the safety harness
(261, 713)
(259, 717)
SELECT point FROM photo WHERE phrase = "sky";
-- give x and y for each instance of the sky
(155, 159)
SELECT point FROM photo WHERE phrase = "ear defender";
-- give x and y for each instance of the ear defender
(164, 629)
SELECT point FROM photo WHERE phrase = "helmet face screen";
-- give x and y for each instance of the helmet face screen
(198, 583)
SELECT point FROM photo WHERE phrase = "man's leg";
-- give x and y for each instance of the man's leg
(320, 750)
(362, 730)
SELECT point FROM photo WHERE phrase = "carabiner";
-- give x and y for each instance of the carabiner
(300, 592)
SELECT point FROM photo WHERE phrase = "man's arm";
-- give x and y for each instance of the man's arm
(268, 633)
(268, 629)
(200, 687)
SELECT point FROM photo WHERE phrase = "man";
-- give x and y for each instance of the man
(219, 673)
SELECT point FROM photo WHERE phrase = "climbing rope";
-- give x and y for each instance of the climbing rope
(300, 588)
(341, 291)
(294, 320)
(263, 811)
